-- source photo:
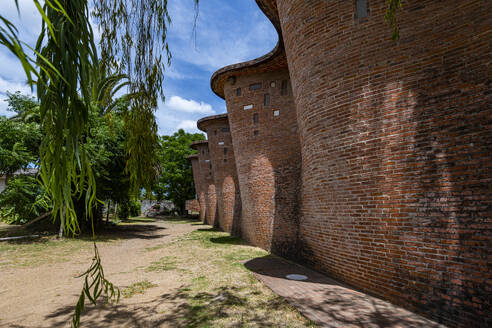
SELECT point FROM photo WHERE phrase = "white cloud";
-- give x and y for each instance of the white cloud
(188, 126)
(13, 86)
(222, 36)
(179, 104)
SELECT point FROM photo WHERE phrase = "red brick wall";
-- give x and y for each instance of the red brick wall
(268, 164)
(198, 180)
(224, 171)
(397, 150)
(207, 189)
(192, 205)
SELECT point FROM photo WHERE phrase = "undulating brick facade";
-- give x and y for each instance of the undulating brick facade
(206, 183)
(396, 144)
(198, 180)
(224, 171)
(377, 167)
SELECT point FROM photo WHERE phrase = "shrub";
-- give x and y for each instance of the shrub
(129, 208)
(18, 202)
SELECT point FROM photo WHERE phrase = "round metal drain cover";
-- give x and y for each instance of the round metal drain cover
(296, 277)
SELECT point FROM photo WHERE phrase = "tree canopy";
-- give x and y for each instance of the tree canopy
(175, 181)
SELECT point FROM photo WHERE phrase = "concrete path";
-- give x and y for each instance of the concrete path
(329, 303)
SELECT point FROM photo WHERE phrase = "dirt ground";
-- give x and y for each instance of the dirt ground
(171, 274)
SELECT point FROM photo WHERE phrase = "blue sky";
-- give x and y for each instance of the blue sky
(228, 32)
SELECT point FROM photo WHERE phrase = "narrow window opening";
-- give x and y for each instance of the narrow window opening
(225, 130)
(283, 90)
(225, 151)
(255, 86)
(255, 118)
(256, 132)
(238, 91)
(215, 132)
(225, 160)
(361, 8)
(266, 99)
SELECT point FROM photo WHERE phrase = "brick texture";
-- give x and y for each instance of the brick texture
(267, 156)
(224, 171)
(198, 180)
(397, 150)
(192, 206)
(206, 193)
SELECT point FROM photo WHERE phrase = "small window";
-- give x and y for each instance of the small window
(225, 160)
(225, 151)
(272, 84)
(276, 113)
(255, 118)
(283, 91)
(225, 130)
(266, 99)
(361, 8)
(215, 132)
(256, 132)
(255, 86)
(238, 91)
(210, 165)
(246, 107)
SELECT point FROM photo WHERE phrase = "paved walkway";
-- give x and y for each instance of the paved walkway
(329, 303)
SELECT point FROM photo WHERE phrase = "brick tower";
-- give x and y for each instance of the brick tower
(224, 171)
(206, 182)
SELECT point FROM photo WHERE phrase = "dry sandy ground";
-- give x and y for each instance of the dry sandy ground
(44, 295)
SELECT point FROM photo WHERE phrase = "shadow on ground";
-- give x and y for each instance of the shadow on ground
(181, 308)
(328, 302)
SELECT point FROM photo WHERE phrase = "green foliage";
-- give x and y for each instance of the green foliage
(19, 201)
(67, 40)
(95, 285)
(390, 17)
(130, 208)
(176, 177)
(20, 136)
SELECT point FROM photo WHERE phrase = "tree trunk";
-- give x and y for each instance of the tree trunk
(107, 211)
(62, 223)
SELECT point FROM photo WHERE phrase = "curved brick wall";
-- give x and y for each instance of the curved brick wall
(267, 158)
(207, 193)
(198, 180)
(397, 149)
(224, 171)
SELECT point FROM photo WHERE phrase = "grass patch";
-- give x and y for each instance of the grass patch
(137, 288)
(219, 291)
(164, 264)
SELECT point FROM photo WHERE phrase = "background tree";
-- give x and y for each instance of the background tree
(20, 138)
(175, 181)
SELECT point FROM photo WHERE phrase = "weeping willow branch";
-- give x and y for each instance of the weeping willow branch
(134, 41)
(66, 41)
(95, 286)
